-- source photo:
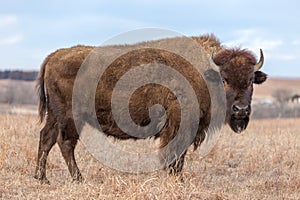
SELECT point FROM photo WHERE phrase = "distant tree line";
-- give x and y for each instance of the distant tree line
(18, 92)
(19, 75)
(282, 107)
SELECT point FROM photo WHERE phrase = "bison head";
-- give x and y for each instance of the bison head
(239, 71)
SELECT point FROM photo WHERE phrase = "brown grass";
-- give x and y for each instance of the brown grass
(262, 163)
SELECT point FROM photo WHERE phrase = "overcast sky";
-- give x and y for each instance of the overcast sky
(30, 30)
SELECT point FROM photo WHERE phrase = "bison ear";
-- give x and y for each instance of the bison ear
(259, 77)
(212, 76)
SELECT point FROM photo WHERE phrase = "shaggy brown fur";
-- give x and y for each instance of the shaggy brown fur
(209, 42)
(57, 76)
(236, 57)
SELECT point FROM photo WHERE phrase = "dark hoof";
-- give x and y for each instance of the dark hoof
(177, 175)
(78, 179)
(43, 180)
(174, 172)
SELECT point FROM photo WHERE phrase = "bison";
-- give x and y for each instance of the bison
(295, 98)
(238, 68)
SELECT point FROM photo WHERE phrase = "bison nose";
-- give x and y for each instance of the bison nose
(241, 110)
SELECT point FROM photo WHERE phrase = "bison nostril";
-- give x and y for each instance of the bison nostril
(235, 108)
(247, 109)
(241, 110)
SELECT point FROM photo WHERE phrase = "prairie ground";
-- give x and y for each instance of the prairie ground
(261, 163)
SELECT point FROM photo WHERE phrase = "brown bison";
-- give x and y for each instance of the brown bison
(295, 98)
(239, 69)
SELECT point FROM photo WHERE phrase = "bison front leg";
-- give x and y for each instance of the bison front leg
(176, 167)
(166, 135)
(67, 147)
(48, 137)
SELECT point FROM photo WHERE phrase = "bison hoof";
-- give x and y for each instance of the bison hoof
(178, 177)
(43, 180)
(174, 171)
(78, 178)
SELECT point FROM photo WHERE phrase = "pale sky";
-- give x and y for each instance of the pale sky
(30, 30)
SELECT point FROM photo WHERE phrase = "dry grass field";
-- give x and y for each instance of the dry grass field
(261, 163)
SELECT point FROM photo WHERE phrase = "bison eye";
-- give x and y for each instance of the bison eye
(224, 81)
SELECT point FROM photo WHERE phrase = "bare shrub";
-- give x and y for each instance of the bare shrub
(279, 110)
(281, 95)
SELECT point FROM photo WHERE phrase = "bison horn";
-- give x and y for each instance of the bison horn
(212, 63)
(260, 63)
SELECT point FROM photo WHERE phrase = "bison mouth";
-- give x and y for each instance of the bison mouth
(238, 124)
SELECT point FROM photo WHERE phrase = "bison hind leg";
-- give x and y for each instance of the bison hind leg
(48, 137)
(67, 140)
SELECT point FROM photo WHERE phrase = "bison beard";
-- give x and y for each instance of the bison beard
(238, 125)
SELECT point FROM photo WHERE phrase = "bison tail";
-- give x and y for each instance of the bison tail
(42, 107)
